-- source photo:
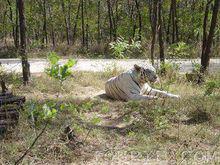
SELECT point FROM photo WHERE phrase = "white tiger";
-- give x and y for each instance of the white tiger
(132, 85)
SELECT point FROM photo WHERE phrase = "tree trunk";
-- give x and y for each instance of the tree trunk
(98, 23)
(205, 58)
(110, 19)
(160, 32)
(115, 19)
(169, 25)
(205, 26)
(12, 22)
(45, 39)
(24, 58)
(153, 28)
(52, 27)
(5, 28)
(83, 23)
(66, 22)
(17, 27)
(75, 21)
(87, 27)
(139, 19)
(69, 19)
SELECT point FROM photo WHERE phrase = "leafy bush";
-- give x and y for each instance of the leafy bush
(179, 50)
(57, 71)
(121, 46)
(211, 86)
(10, 78)
(169, 70)
(195, 76)
(39, 113)
(196, 67)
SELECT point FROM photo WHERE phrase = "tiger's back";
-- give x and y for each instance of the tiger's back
(123, 86)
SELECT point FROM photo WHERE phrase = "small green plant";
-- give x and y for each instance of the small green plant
(169, 67)
(169, 70)
(160, 117)
(45, 113)
(195, 75)
(121, 47)
(39, 113)
(95, 120)
(105, 109)
(196, 67)
(211, 86)
(57, 71)
(179, 50)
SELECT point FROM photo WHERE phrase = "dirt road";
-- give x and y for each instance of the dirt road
(100, 65)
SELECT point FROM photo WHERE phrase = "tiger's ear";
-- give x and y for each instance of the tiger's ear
(137, 68)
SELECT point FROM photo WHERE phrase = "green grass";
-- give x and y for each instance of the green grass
(173, 131)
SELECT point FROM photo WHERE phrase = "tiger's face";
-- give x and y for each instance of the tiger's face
(146, 74)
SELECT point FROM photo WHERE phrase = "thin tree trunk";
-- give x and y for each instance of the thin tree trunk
(45, 39)
(12, 22)
(87, 27)
(160, 33)
(69, 19)
(76, 21)
(139, 19)
(175, 34)
(83, 23)
(131, 22)
(169, 24)
(52, 27)
(66, 22)
(4, 27)
(98, 22)
(115, 19)
(24, 58)
(110, 19)
(17, 27)
(208, 44)
(153, 29)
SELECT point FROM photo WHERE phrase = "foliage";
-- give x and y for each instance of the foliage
(10, 78)
(57, 71)
(212, 86)
(196, 67)
(39, 113)
(121, 47)
(154, 125)
(169, 70)
(179, 50)
(195, 75)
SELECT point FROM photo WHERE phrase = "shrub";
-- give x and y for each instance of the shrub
(211, 87)
(169, 70)
(57, 71)
(121, 47)
(179, 50)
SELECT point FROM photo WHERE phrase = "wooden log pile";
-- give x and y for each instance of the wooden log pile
(10, 106)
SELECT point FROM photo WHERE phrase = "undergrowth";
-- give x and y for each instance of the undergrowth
(174, 131)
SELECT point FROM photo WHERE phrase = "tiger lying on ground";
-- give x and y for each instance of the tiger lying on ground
(132, 85)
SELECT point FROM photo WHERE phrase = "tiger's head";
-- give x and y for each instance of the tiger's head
(146, 74)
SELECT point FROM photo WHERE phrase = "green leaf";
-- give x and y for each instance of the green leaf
(95, 120)
(71, 63)
(53, 58)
